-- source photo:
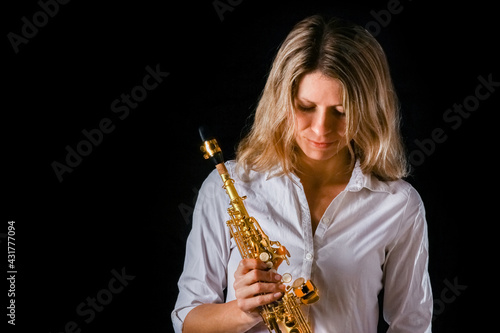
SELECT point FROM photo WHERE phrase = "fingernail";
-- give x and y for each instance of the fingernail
(277, 277)
(277, 295)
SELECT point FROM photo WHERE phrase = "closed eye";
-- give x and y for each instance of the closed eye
(305, 108)
(340, 113)
(335, 111)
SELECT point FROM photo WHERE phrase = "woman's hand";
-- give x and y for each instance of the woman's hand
(255, 285)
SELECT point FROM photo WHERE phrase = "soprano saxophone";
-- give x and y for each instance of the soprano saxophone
(252, 242)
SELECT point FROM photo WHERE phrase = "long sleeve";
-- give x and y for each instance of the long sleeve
(207, 251)
(407, 290)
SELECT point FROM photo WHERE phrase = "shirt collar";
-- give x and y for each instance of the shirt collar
(360, 180)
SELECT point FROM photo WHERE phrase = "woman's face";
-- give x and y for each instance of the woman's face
(320, 117)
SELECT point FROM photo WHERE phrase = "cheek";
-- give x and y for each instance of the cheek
(341, 127)
(299, 121)
(302, 121)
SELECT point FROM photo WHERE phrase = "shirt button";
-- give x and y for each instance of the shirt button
(309, 256)
(326, 220)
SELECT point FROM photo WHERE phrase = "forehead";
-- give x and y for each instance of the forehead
(319, 88)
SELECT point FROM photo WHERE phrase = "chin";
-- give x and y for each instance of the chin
(325, 154)
(319, 156)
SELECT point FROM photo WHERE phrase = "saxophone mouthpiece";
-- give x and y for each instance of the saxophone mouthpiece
(210, 147)
(205, 133)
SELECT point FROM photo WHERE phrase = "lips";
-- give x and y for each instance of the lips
(320, 144)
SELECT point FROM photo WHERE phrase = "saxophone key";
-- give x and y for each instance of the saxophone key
(264, 256)
(286, 278)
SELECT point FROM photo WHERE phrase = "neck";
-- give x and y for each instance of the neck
(334, 171)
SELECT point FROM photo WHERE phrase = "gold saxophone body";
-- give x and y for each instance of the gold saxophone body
(283, 315)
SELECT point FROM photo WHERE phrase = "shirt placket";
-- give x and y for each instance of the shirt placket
(305, 216)
(308, 252)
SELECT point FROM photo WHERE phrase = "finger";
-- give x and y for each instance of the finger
(255, 276)
(246, 265)
(250, 304)
(259, 288)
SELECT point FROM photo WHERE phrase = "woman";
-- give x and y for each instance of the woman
(322, 170)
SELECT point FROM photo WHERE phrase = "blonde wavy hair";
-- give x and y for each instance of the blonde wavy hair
(350, 54)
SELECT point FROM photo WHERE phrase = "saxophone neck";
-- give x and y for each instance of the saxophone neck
(236, 200)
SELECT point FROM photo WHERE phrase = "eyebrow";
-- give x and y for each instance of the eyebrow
(311, 102)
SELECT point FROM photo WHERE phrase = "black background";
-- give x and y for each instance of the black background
(127, 204)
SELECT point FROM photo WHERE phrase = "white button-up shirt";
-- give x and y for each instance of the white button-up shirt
(372, 237)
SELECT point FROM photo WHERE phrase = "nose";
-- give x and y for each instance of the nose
(322, 122)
